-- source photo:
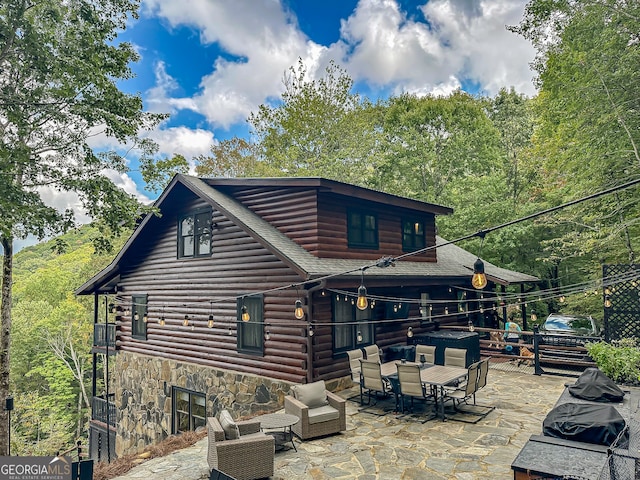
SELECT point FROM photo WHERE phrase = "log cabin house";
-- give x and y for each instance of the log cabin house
(196, 312)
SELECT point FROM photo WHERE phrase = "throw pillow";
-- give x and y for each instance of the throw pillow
(313, 395)
(231, 431)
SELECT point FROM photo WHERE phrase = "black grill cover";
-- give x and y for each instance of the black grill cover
(596, 386)
(582, 422)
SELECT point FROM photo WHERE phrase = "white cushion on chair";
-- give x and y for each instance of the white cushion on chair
(323, 414)
(231, 430)
(313, 395)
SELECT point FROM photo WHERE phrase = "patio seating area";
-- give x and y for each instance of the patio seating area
(396, 446)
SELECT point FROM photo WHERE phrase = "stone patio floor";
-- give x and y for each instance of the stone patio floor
(392, 447)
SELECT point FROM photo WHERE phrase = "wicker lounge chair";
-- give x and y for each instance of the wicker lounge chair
(248, 457)
(321, 412)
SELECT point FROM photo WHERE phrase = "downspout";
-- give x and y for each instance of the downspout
(310, 292)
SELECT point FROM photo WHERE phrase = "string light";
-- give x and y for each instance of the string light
(311, 332)
(210, 322)
(245, 314)
(185, 322)
(362, 302)
(359, 336)
(299, 311)
(267, 335)
(410, 332)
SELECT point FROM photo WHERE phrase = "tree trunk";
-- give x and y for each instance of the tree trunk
(5, 339)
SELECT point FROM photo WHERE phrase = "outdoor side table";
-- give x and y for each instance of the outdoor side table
(279, 425)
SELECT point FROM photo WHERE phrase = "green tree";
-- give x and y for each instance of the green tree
(321, 128)
(588, 134)
(59, 67)
(430, 143)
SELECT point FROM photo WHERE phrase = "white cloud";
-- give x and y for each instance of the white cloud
(460, 40)
(262, 33)
(432, 49)
(187, 142)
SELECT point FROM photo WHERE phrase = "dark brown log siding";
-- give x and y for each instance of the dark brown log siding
(317, 221)
(238, 264)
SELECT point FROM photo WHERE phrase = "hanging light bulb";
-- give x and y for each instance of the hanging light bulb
(145, 317)
(607, 301)
(112, 308)
(245, 314)
(136, 316)
(359, 336)
(323, 293)
(410, 332)
(471, 326)
(607, 291)
(362, 303)
(562, 298)
(185, 322)
(446, 310)
(161, 321)
(299, 311)
(479, 279)
(267, 335)
(395, 308)
(230, 331)
(534, 317)
(210, 322)
(311, 332)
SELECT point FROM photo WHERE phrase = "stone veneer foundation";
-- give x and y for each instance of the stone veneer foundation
(143, 396)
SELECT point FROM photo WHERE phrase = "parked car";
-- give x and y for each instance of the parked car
(570, 325)
(557, 325)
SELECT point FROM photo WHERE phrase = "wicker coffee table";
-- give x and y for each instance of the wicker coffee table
(279, 425)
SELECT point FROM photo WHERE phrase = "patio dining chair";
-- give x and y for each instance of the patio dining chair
(463, 393)
(411, 386)
(429, 352)
(354, 366)
(372, 352)
(373, 383)
(455, 357)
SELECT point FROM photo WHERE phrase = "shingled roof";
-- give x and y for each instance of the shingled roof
(453, 261)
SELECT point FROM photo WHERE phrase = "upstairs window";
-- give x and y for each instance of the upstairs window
(362, 229)
(194, 234)
(413, 235)
(138, 317)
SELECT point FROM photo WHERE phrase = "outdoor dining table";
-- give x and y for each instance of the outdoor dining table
(437, 376)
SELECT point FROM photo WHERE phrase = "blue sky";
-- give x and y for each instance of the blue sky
(210, 63)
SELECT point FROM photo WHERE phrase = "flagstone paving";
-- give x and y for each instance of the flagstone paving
(393, 447)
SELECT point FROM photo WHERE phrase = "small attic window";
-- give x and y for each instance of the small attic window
(362, 229)
(194, 234)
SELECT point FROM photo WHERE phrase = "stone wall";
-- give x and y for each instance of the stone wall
(143, 388)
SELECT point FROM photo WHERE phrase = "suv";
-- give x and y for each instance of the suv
(568, 330)
(557, 323)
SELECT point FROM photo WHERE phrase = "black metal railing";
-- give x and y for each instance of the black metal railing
(104, 333)
(100, 407)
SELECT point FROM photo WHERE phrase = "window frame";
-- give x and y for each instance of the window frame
(410, 239)
(360, 231)
(195, 235)
(192, 395)
(357, 320)
(254, 327)
(139, 305)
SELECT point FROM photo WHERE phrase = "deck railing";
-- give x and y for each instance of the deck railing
(104, 333)
(99, 406)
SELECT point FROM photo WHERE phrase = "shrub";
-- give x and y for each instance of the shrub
(618, 360)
